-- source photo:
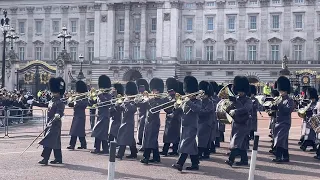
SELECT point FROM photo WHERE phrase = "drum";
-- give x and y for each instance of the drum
(315, 123)
(222, 115)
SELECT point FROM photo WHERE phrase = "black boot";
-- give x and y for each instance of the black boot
(132, 156)
(95, 151)
(177, 167)
(193, 168)
(144, 161)
(242, 163)
(56, 161)
(230, 163)
(82, 147)
(119, 156)
(43, 162)
(70, 147)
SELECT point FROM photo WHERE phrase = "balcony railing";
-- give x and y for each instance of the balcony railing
(131, 61)
(201, 62)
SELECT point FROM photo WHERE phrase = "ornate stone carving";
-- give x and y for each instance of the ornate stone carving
(159, 5)
(209, 41)
(252, 40)
(152, 42)
(90, 42)
(264, 3)
(38, 43)
(317, 39)
(83, 8)
(65, 9)
(14, 10)
(12, 56)
(230, 41)
(199, 5)
(110, 6)
(47, 9)
(242, 3)
(287, 2)
(119, 42)
(176, 4)
(221, 3)
(143, 5)
(166, 17)
(21, 43)
(73, 43)
(104, 18)
(275, 40)
(55, 43)
(97, 6)
(127, 5)
(311, 2)
(298, 40)
(30, 10)
(188, 41)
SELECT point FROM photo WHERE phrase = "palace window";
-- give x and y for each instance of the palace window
(275, 21)
(318, 52)
(121, 25)
(38, 26)
(230, 52)
(120, 52)
(136, 52)
(189, 24)
(38, 53)
(276, 1)
(73, 26)
(153, 24)
(252, 52)
(188, 53)
(153, 52)
(298, 21)
(252, 22)
(137, 24)
(297, 52)
(73, 53)
(21, 53)
(298, 1)
(55, 26)
(21, 27)
(91, 25)
(275, 55)
(55, 53)
(209, 53)
(210, 24)
(212, 3)
(90, 53)
(231, 23)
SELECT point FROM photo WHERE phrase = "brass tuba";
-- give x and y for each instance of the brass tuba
(226, 92)
(224, 104)
(303, 111)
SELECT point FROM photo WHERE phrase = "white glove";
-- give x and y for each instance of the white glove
(30, 101)
(186, 99)
(232, 112)
(26, 96)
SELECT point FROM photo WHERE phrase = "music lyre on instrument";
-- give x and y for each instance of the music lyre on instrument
(224, 104)
(314, 122)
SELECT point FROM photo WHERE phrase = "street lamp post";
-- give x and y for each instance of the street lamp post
(12, 36)
(81, 75)
(17, 79)
(5, 28)
(64, 35)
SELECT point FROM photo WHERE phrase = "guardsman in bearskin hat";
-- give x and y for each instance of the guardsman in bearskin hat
(142, 87)
(172, 126)
(254, 114)
(101, 129)
(309, 134)
(191, 107)
(52, 138)
(283, 106)
(92, 102)
(79, 117)
(205, 121)
(116, 112)
(240, 110)
(152, 124)
(126, 130)
(274, 94)
(217, 127)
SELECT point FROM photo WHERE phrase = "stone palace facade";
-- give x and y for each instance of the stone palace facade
(209, 39)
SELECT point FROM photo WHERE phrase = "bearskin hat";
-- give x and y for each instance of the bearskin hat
(312, 94)
(180, 88)
(190, 84)
(157, 83)
(104, 82)
(220, 87)
(81, 87)
(131, 88)
(275, 86)
(143, 82)
(283, 84)
(275, 93)
(206, 87)
(57, 85)
(253, 90)
(215, 87)
(172, 84)
(119, 87)
(241, 84)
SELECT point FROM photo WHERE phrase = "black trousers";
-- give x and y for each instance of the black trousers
(82, 140)
(92, 117)
(46, 152)
(112, 138)
(183, 157)
(306, 143)
(122, 149)
(166, 147)
(221, 136)
(318, 150)
(282, 153)
(238, 152)
(98, 142)
(147, 153)
(251, 136)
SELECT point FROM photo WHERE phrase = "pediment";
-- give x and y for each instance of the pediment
(38, 43)
(275, 40)
(119, 42)
(21, 43)
(152, 41)
(252, 40)
(230, 41)
(188, 41)
(73, 43)
(55, 43)
(209, 40)
(298, 40)
(90, 42)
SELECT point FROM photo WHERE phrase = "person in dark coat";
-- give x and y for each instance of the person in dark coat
(172, 124)
(240, 110)
(79, 118)
(205, 124)
(92, 102)
(191, 107)
(215, 133)
(152, 124)
(116, 113)
(309, 134)
(283, 107)
(52, 138)
(254, 114)
(142, 87)
(221, 125)
(126, 130)
(101, 129)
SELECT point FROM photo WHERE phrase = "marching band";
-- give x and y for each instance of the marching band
(196, 114)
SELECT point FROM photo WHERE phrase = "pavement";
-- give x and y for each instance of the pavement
(80, 164)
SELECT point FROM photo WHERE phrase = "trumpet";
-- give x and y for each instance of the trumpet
(303, 111)
(269, 104)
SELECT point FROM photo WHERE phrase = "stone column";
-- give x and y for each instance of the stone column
(103, 33)
(242, 31)
(30, 33)
(309, 26)
(127, 31)
(65, 18)
(159, 30)
(111, 31)
(220, 45)
(12, 64)
(82, 33)
(264, 29)
(143, 34)
(174, 29)
(13, 17)
(97, 14)
(198, 29)
(47, 35)
(287, 14)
